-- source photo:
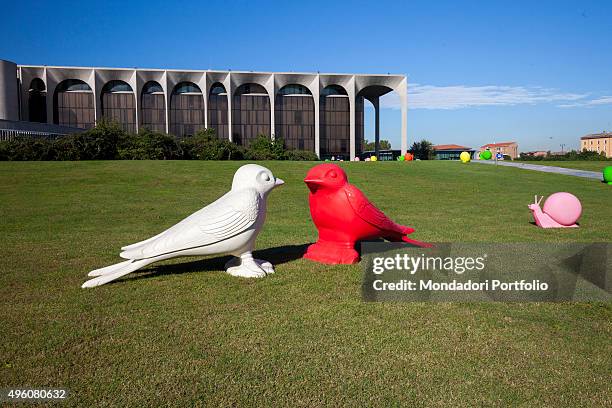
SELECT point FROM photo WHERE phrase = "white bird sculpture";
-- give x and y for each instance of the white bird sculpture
(229, 225)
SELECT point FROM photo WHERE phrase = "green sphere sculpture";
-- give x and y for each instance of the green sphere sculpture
(607, 175)
(486, 155)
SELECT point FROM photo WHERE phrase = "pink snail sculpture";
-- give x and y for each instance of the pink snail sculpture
(561, 210)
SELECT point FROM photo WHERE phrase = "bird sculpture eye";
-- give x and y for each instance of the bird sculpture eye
(264, 177)
(333, 174)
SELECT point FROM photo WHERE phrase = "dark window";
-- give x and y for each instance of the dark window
(294, 89)
(152, 87)
(217, 111)
(294, 117)
(72, 85)
(359, 124)
(333, 90)
(334, 122)
(37, 101)
(153, 109)
(118, 104)
(186, 109)
(186, 87)
(250, 114)
(217, 89)
(73, 104)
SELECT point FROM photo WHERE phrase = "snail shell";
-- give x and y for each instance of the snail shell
(564, 208)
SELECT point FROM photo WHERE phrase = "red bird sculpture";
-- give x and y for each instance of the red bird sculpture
(344, 215)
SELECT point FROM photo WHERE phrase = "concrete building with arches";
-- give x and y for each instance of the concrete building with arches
(323, 113)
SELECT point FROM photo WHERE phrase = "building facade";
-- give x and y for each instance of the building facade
(598, 142)
(318, 112)
(451, 151)
(534, 153)
(505, 148)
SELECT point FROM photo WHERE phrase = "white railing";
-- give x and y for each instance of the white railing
(10, 129)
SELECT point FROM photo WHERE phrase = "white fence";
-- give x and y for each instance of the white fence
(10, 129)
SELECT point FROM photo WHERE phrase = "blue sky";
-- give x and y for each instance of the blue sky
(538, 72)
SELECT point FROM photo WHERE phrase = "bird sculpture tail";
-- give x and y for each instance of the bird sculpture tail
(416, 243)
(404, 238)
(112, 272)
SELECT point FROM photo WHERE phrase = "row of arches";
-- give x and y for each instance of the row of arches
(73, 105)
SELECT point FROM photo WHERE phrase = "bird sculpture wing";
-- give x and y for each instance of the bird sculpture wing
(233, 213)
(372, 215)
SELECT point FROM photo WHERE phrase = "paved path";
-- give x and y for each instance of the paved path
(545, 169)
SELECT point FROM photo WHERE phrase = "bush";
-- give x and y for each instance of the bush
(66, 148)
(26, 149)
(573, 155)
(97, 143)
(264, 148)
(205, 145)
(108, 141)
(148, 145)
(4, 150)
(303, 155)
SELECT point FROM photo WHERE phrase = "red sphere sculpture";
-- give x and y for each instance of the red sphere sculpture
(343, 215)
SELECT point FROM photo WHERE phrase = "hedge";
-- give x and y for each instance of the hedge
(108, 141)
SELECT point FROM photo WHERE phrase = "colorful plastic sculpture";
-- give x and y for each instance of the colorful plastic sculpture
(465, 157)
(485, 155)
(409, 157)
(607, 175)
(356, 158)
(561, 210)
(229, 225)
(401, 158)
(343, 215)
(373, 158)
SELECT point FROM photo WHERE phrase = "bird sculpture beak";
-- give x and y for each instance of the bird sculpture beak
(279, 182)
(313, 181)
(313, 184)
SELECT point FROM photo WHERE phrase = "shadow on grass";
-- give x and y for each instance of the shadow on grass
(277, 256)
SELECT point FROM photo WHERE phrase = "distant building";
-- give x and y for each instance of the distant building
(451, 151)
(505, 148)
(383, 155)
(535, 153)
(598, 142)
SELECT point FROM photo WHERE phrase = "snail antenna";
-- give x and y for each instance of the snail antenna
(540, 200)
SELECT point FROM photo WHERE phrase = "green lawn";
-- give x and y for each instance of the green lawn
(580, 165)
(184, 333)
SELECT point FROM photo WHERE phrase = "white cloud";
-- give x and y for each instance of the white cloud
(463, 96)
(604, 100)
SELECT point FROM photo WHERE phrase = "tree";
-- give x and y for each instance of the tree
(422, 150)
(384, 145)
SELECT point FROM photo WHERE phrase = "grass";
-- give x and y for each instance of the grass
(184, 333)
(580, 165)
